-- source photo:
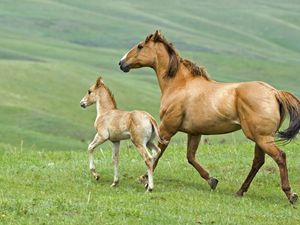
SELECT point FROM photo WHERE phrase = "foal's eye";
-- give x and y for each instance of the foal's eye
(140, 46)
(89, 92)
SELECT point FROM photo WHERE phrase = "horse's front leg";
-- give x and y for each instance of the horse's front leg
(97, 141)
(192, 146)
(115, 159)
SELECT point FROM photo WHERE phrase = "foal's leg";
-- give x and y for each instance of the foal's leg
(269, 147)
(192, 145)
(97, 141)
(258, 161)
(165, 135)
(149, 163)
(115, 159)
(161, 148)
(154, 148)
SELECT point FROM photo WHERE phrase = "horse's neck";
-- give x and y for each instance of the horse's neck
(104, 103)
(166, 82)
(161, 69)
(182, 76)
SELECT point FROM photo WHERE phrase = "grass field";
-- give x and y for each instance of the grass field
(55, 187)
(51, 51)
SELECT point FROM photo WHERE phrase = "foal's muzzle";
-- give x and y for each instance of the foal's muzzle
(82, 104)
(124, 66)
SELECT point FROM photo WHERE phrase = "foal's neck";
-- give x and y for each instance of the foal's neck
(105, 101)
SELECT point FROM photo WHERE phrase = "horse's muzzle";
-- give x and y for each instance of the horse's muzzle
(82, 104)
(124, 66)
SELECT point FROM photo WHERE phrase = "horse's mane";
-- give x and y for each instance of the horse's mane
(110, 94)
(175, 59)
(195, 69)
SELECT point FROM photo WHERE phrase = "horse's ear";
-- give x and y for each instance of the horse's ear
(156, 36)
(99, 82)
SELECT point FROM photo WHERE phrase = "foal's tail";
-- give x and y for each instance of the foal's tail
(291, 104)
(155, 128)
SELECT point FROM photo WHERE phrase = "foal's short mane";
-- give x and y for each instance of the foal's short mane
(175, 59)
(111, 95)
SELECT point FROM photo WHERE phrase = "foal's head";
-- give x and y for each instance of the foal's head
(92, 94)
(145, 54)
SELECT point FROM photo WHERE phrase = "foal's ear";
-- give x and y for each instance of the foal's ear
(156, 36)
(99, 82)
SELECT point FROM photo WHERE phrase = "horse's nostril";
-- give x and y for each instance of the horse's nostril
(82, 104)
(120, 63)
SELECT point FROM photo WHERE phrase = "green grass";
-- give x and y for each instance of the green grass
(51, 51)
(55, 187)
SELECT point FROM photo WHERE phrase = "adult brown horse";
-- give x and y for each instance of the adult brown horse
(194, 104)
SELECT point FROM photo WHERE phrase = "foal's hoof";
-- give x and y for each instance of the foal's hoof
(213, 182)
(143, 179)
(114, 184)
(148, 189)
(96, 176)
(293, 198)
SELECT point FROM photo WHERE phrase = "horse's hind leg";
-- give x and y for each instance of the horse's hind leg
(155, 150)
(192, 145)
(268, 146)
(258, 161)
(149, 163)
(166, 135)
(115, 159)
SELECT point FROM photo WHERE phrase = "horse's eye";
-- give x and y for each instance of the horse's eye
(89, 92)
(140, 46)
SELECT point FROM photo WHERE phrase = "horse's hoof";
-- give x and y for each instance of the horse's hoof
(293, 198)
(97, 177)
(148, 189)
(143, 179)
(213, 182)
(239, 193)
(114, 184)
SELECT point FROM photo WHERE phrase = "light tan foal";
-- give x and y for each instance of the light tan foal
(116, 125)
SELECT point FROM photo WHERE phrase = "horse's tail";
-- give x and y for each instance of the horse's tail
(155, 128)
(291, 104)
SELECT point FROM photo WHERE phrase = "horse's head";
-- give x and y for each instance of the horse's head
(141, 55)
(92, 94)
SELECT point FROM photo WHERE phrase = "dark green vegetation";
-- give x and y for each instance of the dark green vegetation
(52, 50)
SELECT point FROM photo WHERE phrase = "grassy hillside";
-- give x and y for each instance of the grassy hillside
(52, 50)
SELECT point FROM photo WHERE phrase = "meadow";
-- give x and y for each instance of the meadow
(51, 51)
(55, 187)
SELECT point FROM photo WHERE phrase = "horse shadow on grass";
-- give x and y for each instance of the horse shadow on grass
(166, 185)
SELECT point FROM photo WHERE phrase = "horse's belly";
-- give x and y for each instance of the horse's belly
(119, 135)
(210, 127)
